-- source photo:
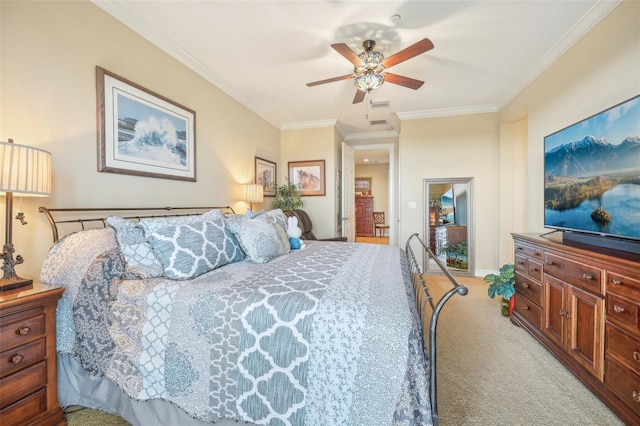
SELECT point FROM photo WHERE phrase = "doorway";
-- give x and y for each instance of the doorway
(449, 225)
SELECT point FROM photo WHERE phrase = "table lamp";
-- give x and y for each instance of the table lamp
(24, 170)
(251, 193)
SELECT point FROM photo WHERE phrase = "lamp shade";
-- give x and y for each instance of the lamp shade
(252, 192)
(25, 170)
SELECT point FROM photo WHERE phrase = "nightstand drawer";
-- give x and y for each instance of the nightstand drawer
(527, 309)
(22, 383)
(529, 288)
(18, 332)
(18, 358)
(623, 347)
(584, 276)
(22, 411)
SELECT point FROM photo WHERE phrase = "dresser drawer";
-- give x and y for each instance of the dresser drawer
(623, 347)
(584, 276)
(623, 312)
(22, 411)
(623, 285)
(528, 251)
(22, 330)
(529, 267)
(18, 358)
(623, 383)
(529, 288)
(527, 309)
(23, 383)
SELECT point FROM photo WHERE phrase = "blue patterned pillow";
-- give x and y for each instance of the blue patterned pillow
(187, 250)
(260, 239)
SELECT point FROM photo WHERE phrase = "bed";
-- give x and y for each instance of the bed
(227, 325)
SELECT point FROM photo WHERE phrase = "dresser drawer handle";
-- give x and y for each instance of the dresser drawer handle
(587, 276)
(17, 359)
(618, 309)
(525, 307)
(520, 262)
(533, 269)
(549, 262)
(524, 285)
(23, 331)
(636, 355)
(616, 282)
(636, 396)
(564, 313)
(536, 253)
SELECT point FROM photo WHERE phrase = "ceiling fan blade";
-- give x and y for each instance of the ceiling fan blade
(359, 97)
(403, 81)
(346, 51)
(330, 80)
(408, 53)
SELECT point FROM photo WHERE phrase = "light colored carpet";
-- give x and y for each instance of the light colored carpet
(490, 372)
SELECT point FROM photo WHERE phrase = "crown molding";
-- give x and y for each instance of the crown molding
(309, 124)
(446, 112)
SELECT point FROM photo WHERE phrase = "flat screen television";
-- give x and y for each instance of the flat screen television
(592, 177)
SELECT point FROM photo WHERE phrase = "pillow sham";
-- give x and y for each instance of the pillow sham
(140, 260)
(259, 238)
(187, 250)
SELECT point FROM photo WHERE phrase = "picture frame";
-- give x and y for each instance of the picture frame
(141, 132)
(308, 177)
(363, 185)
(266, 175)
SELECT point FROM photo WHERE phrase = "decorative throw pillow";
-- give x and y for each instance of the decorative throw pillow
(259, 238)
(187, 250)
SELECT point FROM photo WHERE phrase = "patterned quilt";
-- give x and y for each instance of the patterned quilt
(327, 335)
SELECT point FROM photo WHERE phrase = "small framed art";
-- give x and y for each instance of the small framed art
(265, 175)
(308, 177)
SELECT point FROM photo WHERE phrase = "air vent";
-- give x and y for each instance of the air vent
(377, 122)
(380, 104)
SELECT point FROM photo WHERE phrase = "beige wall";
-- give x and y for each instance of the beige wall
(379, 174)
(452, 147)
(315, 144)
(49, 53)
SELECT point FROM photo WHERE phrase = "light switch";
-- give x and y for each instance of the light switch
(412, 204)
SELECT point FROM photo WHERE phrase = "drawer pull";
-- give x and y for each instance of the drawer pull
(564, 313)
(533, 268)
(524, 285)
(549, 262)
(618, 309)
(636, 396)
(587, 277)
(23, 331)
(520, 262)
(616, 282)
(636, 355)
(525, 307)
(536, 253)
(17, 358)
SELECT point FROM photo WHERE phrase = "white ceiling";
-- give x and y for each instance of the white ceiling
(264, 52)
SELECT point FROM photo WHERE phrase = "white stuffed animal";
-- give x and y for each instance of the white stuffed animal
(294, 232)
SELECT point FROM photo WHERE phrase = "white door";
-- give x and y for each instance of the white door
(348, 193)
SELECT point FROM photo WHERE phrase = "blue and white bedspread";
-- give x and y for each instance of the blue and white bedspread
(327, 335)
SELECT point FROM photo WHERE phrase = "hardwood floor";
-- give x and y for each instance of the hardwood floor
(373, 240)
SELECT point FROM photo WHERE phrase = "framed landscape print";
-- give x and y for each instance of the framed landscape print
(265, 175)
(308, 177)
(143, 133)
(363, 184)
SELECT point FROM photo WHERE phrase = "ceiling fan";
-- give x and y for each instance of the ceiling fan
(368, 72)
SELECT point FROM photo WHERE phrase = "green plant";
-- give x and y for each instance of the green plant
(287, 197)
(502, 284)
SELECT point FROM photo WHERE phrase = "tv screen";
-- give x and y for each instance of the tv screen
(592, 174)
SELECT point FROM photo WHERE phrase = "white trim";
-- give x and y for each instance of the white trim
(447, 112)
(309, 124)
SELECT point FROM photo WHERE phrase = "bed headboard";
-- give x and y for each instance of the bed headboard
(79, 218)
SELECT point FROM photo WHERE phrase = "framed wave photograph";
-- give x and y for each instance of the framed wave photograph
(141, 132)
(592, 174)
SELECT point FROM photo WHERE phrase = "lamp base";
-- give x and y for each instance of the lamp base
(15, 282)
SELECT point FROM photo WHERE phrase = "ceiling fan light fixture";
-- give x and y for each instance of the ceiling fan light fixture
(368, 81)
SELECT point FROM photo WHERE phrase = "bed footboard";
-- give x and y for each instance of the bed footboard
(425, 302)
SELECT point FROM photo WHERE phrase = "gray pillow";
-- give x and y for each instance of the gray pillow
(189, 249)
(260, 239)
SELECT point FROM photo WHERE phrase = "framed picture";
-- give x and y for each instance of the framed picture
(265, 175)
(308, 177)
(142, 133)
(363, 185)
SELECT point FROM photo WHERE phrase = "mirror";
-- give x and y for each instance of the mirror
(448, 225)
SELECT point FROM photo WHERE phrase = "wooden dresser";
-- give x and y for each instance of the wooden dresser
(28, 394)
(583, 304)
(364, 216)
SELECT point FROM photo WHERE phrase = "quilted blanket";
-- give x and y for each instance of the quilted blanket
(327, 335)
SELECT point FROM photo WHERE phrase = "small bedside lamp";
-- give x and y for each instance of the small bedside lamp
(251, 193)
(24, 170)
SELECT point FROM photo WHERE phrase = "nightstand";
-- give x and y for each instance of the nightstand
(28, 394)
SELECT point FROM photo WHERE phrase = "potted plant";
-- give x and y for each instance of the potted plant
(287, 197)
(503, 284)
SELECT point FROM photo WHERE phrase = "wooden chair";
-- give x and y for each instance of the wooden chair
(379, 223)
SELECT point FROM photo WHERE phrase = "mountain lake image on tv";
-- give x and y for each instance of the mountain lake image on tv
(592, 174)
